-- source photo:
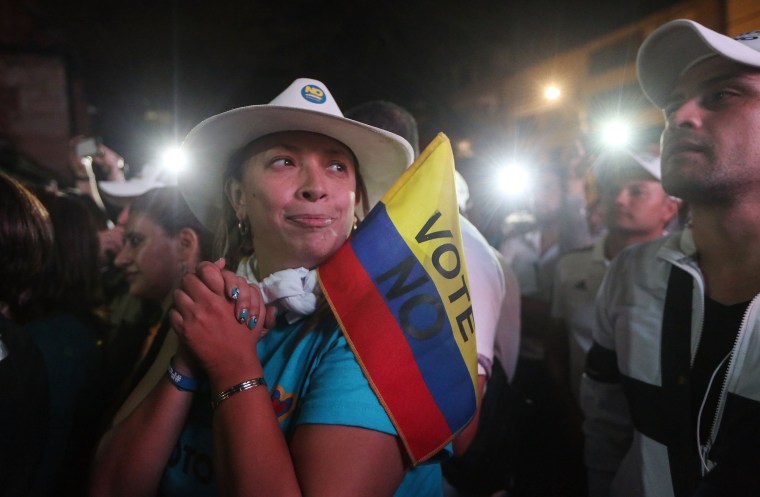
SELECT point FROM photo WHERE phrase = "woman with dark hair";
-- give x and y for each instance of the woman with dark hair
(63, 314)
(291, 411)
(163, 240)
(180, 239)
(26, 241)
(74, 263)
(26, 237)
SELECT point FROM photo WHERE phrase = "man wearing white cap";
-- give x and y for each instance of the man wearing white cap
(671, 393)
(635, 209)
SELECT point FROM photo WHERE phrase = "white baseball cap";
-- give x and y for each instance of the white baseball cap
(612, 162)
(305, 105)
(677, 46)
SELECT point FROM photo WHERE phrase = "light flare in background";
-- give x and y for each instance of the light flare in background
(615, 133)
(173, 160)
(514, 180)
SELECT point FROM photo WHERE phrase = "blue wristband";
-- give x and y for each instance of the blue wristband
(182, 382)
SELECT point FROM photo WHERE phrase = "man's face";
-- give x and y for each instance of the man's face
(710, 146)
(636, 204)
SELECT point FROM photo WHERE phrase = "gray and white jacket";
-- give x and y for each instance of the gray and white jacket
(634, 396)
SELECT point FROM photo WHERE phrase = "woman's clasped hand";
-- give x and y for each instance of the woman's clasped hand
(218, 315)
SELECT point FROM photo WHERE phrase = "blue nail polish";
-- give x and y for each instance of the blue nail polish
(235, 293)
(252, 322)
(243, 317)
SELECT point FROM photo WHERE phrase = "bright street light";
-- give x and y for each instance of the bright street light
(552, 92)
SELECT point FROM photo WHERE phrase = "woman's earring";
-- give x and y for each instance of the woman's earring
(356, 222)
(183, 268)
(244, 228)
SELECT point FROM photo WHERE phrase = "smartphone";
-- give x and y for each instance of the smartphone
(88, 146)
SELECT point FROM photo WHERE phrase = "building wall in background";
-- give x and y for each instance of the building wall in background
(41, 103)
(35, 114)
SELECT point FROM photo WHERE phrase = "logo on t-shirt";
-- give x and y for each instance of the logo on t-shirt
(283, 403)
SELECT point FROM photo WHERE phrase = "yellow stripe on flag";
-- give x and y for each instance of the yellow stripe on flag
(424, 210)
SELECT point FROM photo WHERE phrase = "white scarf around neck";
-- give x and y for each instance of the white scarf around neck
(294, 291)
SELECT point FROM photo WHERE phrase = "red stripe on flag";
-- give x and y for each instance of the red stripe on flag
(384, 354)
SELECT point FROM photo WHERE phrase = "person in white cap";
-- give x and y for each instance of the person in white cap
(671, 392)
(635, 208)
(291, 410)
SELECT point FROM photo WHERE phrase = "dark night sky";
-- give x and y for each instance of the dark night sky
(191, 59)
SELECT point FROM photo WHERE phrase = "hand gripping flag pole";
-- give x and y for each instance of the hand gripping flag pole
(399, 290)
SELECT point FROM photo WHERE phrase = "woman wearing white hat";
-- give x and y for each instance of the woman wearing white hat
(292, 413)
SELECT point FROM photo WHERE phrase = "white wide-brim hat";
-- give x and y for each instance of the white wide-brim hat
(306, 105)
(677, 46)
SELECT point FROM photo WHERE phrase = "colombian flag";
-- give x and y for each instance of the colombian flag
(400, 292)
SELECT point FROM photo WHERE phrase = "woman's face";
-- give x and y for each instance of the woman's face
(149, 258)
(298, 191)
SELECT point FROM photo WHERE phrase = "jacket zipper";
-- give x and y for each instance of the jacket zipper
(722, 397)
(700, 323)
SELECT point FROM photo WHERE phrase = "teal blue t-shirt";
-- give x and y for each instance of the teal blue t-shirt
(313, 378)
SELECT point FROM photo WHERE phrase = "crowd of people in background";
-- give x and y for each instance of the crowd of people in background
(152, 341)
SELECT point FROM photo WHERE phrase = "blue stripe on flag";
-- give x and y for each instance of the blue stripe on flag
(418, 311)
